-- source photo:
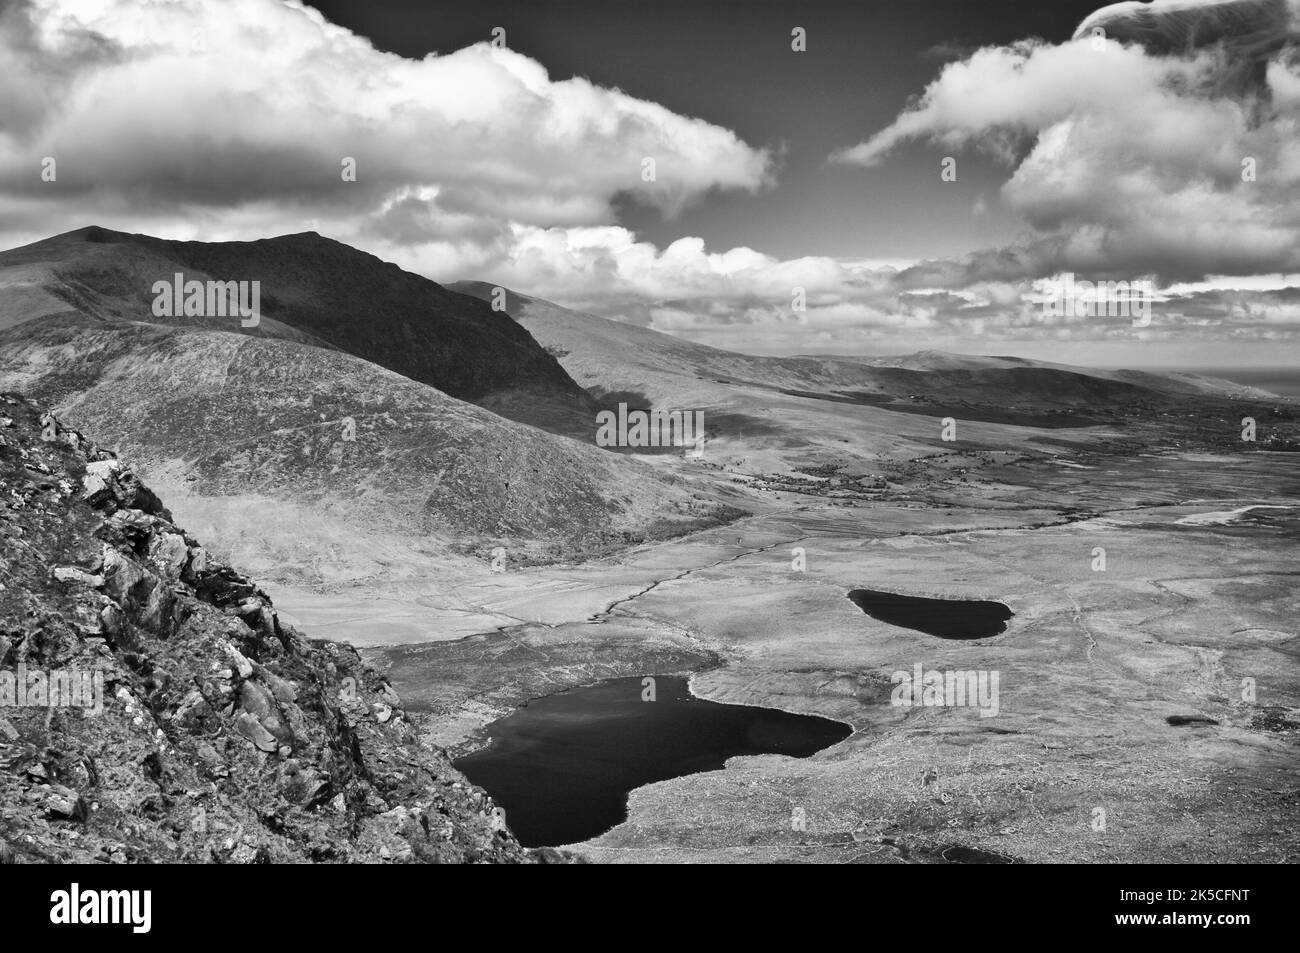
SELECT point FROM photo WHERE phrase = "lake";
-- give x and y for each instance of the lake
(562, 766)
(945, 618)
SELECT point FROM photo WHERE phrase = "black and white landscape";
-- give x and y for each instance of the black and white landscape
(621, 432)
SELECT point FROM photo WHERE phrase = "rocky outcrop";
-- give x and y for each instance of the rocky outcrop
(210, 730)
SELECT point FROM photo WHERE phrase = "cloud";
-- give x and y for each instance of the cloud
(741, 299)
(225, 115)
(608, 267)
(189, 119)
(1249, 28)
(1122, 162)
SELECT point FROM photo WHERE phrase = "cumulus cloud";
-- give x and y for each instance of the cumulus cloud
(1125, 164)
(1250, 29)
(191, 119)
(608, 269)
(741, 299)
(1123, 161)
(229, 114)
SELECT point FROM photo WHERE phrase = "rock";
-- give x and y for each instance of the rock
(213, 765)
(127, 583)
(72, 574)
(257, 700)
(194, 708)
(285, 692)
(169, 554)
(244, 854)
(301, 785)
(97, 483)
(243, 667)
(64, 804)
(111, 619)
(249, 727)
(87, 621)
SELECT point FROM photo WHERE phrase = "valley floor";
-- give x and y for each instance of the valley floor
(1193, 618)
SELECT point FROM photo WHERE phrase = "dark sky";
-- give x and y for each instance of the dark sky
(729, 62)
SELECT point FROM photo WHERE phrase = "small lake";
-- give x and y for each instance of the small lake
(946, 618)
(562, 766)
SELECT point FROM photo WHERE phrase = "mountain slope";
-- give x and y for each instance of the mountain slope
(319, 437)
(601, 353)
(612, 355)
(209, 729)
(313, 289)
(296, 444)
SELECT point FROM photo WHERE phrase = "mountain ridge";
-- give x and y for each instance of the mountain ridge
(313, 289)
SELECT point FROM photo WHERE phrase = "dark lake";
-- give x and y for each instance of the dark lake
(946, 618)
(563, 765)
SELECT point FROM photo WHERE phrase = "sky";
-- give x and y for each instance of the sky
(798, 201)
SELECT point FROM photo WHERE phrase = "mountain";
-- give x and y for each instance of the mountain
(662, 370)
(1009, 370)
(313, 289)
(303, 461)
(615, 356)
(191, 722)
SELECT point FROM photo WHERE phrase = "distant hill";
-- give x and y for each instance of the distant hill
(1170, 382)
(602, 354)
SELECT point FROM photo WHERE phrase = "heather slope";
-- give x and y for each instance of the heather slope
(287, 427)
